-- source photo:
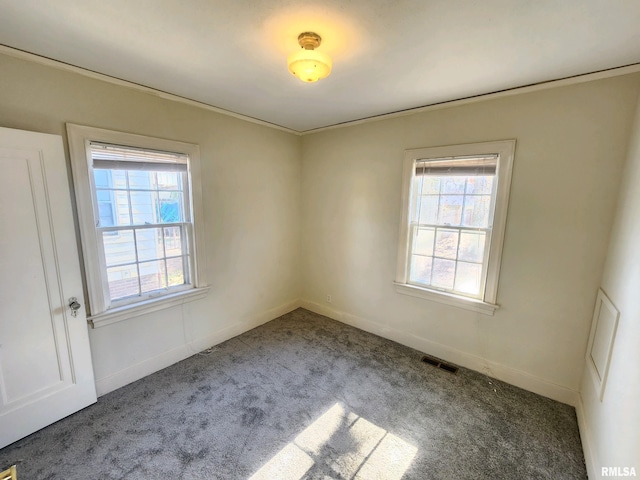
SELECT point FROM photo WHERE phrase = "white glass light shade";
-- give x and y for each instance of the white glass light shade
(309, 65)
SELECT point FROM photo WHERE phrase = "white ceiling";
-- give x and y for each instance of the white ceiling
(388, 55)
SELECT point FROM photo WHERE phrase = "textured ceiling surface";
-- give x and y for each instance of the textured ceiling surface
(388, 55)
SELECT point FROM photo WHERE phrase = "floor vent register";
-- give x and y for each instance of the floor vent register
(439, 364)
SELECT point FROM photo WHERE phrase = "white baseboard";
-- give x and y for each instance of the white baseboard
(139, 370)
(507, 374)
(242, 326)
(585, 436)
(496, 370)
(151, 365)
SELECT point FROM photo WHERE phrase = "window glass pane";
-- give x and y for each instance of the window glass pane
(122, 214)
(423, 242)
(119, 247)
(450, 212)
(468, 278)
(443, 273)
(103, 195)
(149, 244)
(169, 180)
(141, 179)
(123, 281)
(420, 269)
(152, 276)
(453, 185)
(428, 209)
(476, 211)
(119, 178)
(430, 184)
(102, 178)
(480, 184)
(472, 246)
(175, 271)
(173, 241)
(446, 243)
(143, 207)
(170, 207)
(105, 214)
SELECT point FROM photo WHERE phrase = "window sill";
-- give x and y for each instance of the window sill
(125, 312)
(447, 298)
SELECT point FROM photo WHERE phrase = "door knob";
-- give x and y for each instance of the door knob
(74, 305)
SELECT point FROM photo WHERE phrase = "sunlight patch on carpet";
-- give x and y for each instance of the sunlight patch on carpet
(344, 443)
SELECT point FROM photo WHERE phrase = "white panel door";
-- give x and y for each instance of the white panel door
(45, 359)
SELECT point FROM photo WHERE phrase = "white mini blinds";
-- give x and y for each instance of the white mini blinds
(130, 158)
(485, 165)
(454, 214)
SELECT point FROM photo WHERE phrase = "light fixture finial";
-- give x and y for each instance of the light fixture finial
(309, 40)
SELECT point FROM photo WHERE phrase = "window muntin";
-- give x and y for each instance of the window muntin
(454, 213)
(450, 227)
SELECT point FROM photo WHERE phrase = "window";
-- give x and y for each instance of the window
(139, 208)
(453, 220)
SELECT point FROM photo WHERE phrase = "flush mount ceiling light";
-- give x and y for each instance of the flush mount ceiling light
(308, 64)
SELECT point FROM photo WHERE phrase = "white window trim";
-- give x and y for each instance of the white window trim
(505, 149)
(79, 143)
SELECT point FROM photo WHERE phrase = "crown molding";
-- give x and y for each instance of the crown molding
(23, 55)
(561, 82)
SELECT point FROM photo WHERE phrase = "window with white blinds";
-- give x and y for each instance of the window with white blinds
(145, 231)
(140, 234)
(453, 197)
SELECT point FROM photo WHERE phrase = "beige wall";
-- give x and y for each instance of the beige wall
(571, 145)
(613, 425)
(251, 196)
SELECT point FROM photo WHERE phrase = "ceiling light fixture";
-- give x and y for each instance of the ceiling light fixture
(308, 64)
